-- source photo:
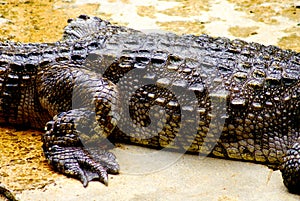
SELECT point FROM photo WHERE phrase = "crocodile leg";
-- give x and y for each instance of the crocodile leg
(74, 139)
(290, 169)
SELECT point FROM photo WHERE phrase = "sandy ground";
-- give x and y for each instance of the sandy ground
(185, 178)
(23, 168)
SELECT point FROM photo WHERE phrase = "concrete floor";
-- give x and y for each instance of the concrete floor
(171, 176)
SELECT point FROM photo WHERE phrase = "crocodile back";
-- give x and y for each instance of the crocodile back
(20, 63)
(247, 94)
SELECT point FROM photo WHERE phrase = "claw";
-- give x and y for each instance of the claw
(105, 180)
(84, 181)
(79, 163)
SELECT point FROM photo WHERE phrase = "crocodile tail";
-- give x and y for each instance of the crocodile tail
(83, 27)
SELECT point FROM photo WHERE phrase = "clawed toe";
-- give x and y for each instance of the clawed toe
(79, 163)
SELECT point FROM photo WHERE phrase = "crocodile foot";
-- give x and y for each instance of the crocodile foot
(290, 169)
(65, 151)
(82, 164)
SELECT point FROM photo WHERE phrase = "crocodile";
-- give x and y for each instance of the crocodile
(105, 83)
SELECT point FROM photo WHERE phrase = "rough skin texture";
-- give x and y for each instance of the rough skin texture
(230, 99)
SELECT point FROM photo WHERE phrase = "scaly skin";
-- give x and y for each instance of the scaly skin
(230, 99)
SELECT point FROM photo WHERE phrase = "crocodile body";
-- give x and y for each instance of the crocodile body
(230, 99)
